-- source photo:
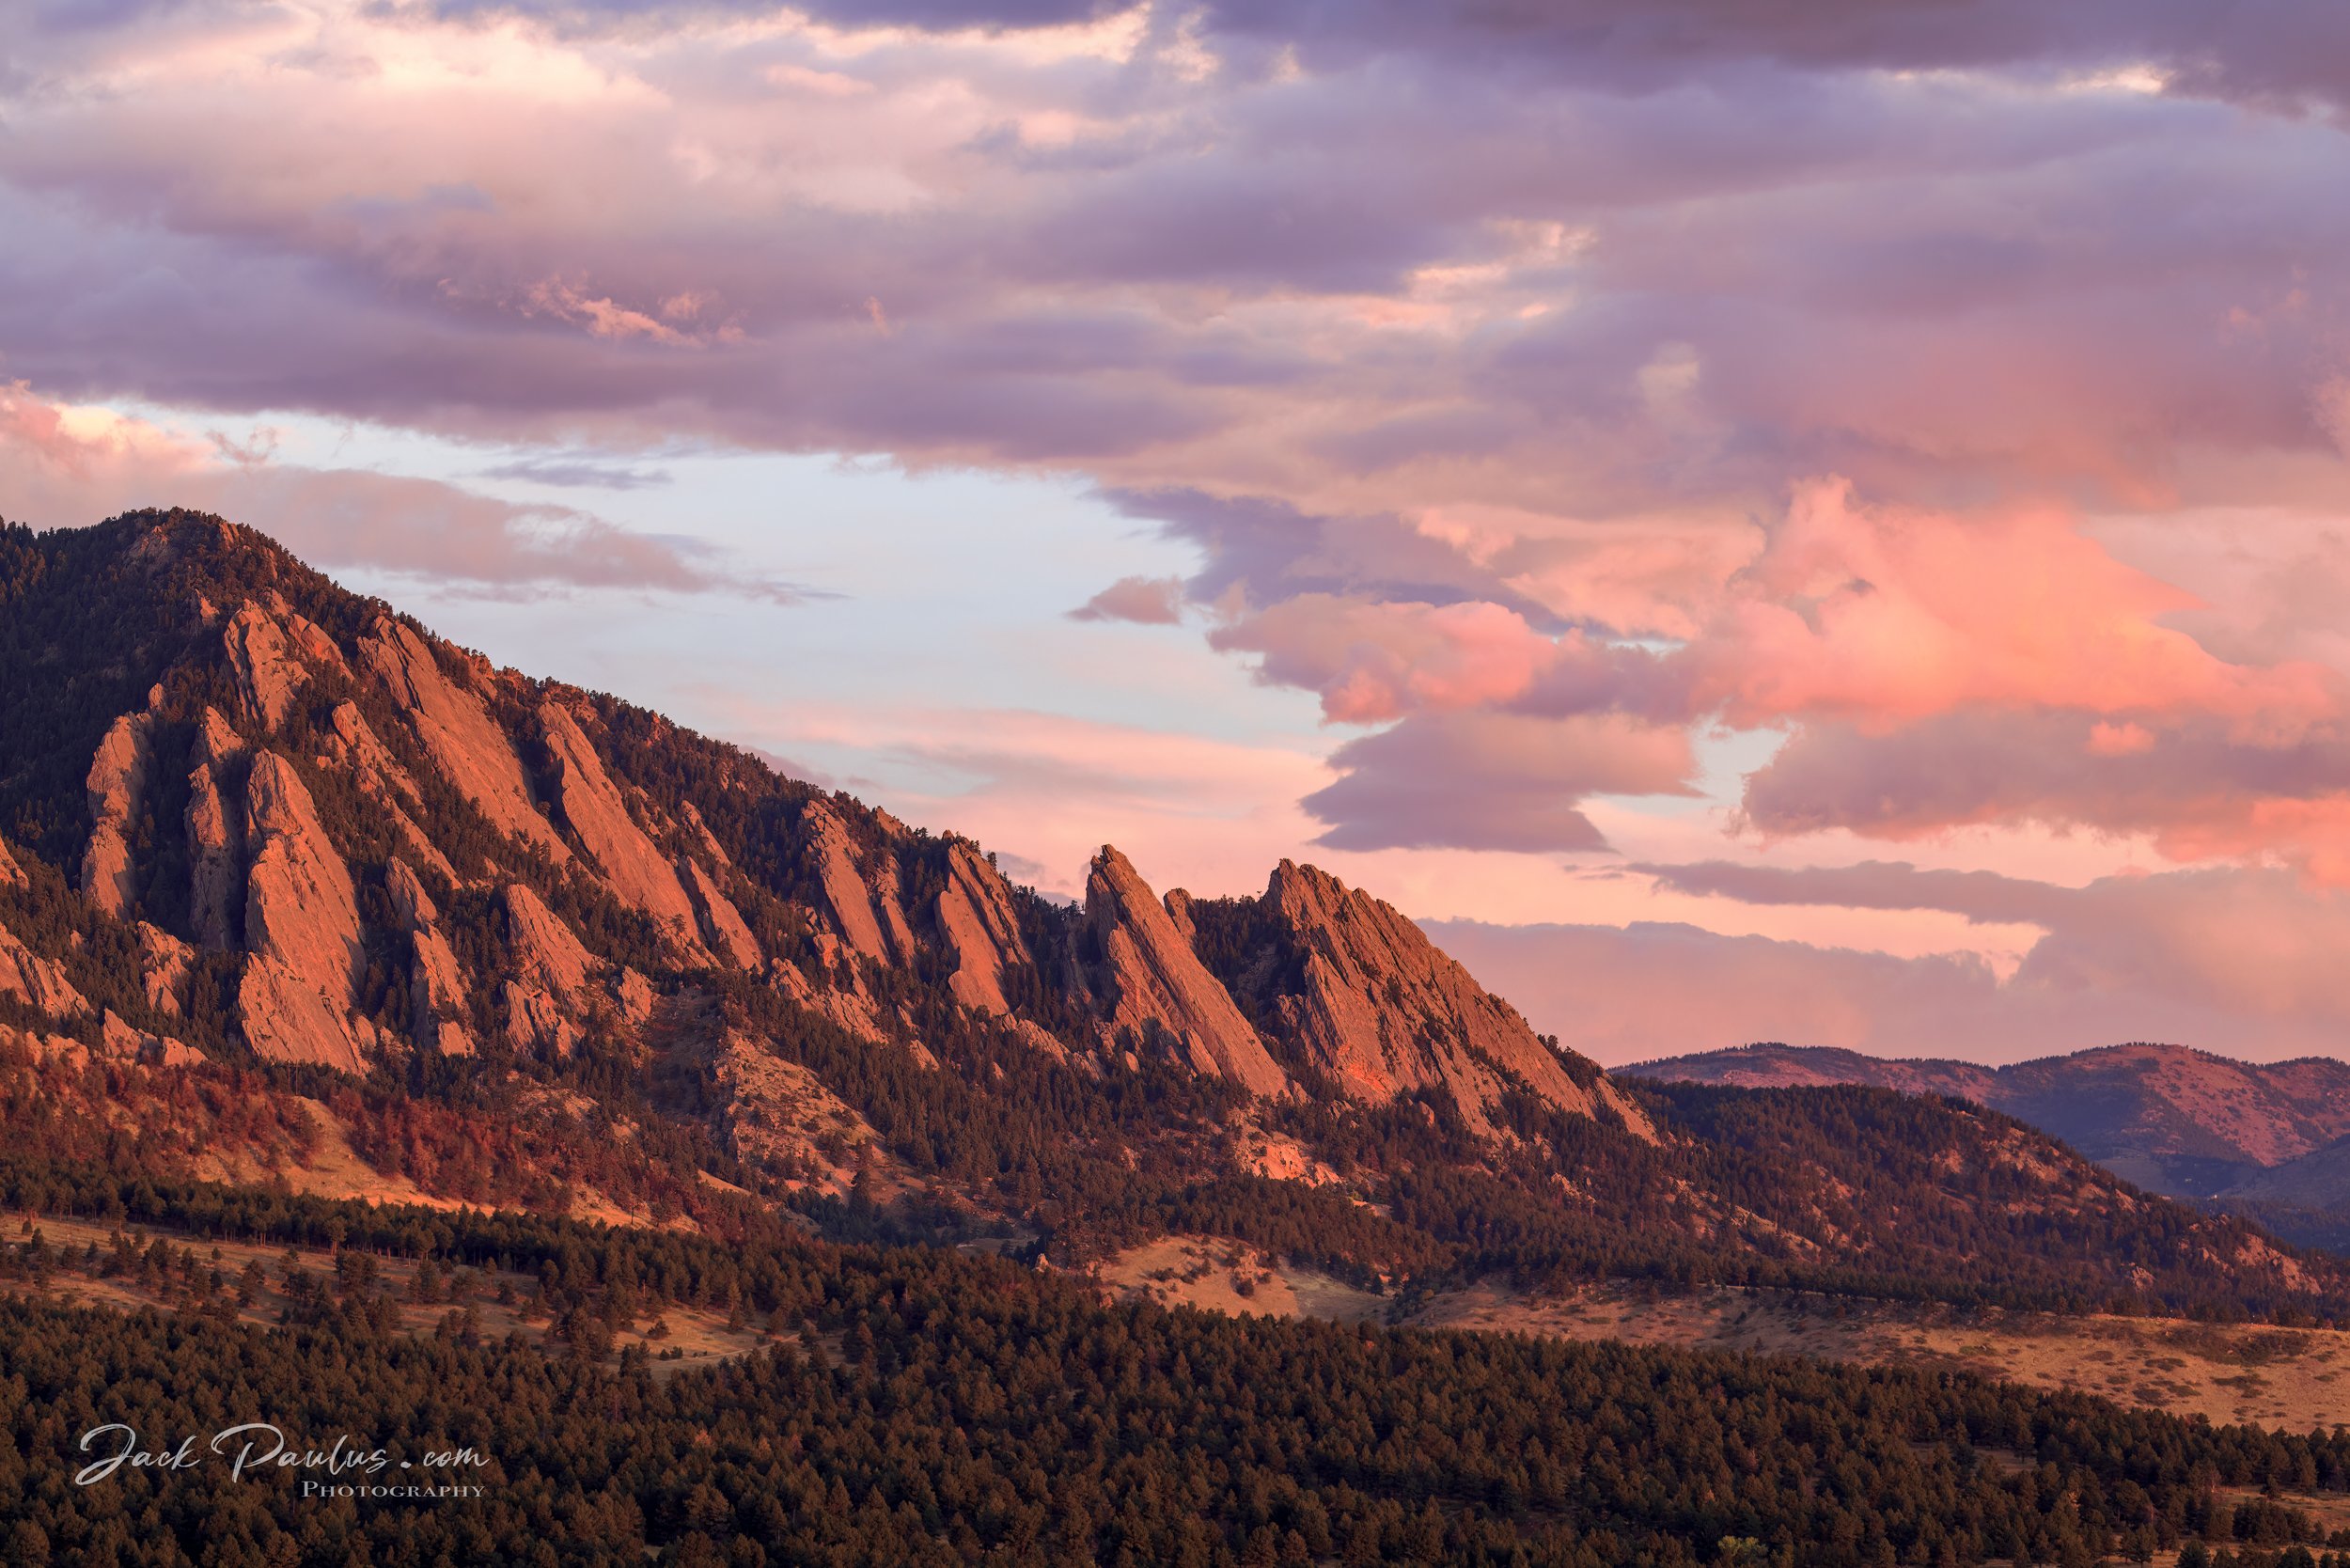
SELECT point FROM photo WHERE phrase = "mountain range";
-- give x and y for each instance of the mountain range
(294, 892)
(2188, 1123)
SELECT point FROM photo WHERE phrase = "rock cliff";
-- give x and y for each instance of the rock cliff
(729, 934)
(37, 982)
(455, 727)
(981, 929)
(1382, 1011)
(164, 965)
(437, 985)
(215, 833)
(269, 663)
(1153, 988)
(847, 895)
(118, 783)
(549, 994)
(623, 858)
(860, 918)
(302, 928)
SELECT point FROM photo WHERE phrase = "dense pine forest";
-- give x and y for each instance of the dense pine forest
(921, 1407)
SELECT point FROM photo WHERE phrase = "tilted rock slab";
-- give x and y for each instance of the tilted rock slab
(215, 830)
(845, 890)
(117, 784)
(353, 745)
(1152, 975)
(982, 928)
(38, 981)
(301, 927)
(266, 672)
(1384, 1010)
(458, 733)
(730, 934)
(623, 858)
(164, 965)
(437, 984)
(550, 989)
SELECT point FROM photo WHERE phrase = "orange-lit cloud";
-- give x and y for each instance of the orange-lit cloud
(1880, 615)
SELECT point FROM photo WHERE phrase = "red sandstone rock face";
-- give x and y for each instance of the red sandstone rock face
(118, 781)
(723, 925)
(437, 984)
(458, 733)
(845, 891)
(1150, 977)
(1383, 1011)
(301, 927)
(215, 830)
(980, 927)
(121, 1042)
(625, 858)
(267, 671)
(164, 965)
(356, 749)
(1380, 1008)
(550, 992)
(38, 981)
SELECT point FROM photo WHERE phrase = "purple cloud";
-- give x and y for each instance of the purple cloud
(1144, 600)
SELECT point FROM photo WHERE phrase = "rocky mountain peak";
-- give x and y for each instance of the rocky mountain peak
(1154, 986)
(1384, 1011)
(336, 759)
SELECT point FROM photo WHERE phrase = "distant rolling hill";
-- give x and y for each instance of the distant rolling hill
(2271, 1137)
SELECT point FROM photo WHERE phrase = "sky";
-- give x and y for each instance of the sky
(1814, 523)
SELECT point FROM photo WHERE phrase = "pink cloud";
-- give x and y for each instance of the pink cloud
(68, 466)
(2234, 959)
(1514, 488)
(1883, 615)
(1375, 661)
(1145, 601)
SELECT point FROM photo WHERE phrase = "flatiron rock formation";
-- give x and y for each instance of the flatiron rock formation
(466, 745)
(1382, 1011)
(118, 781)
(1155, 988)
(301, 926)
(623, 858)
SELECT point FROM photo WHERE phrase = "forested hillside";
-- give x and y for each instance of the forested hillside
(2269, 1139)
(283, 877)
(919, 1406)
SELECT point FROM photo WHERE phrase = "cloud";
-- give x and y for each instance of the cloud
(1145, 601)
(1932, 409)
(577, 474)
(2238, 966)
(69, 467)
(1981, 896)
(1879, 616)
(2220, 942)
(1373, 661)
(1480, 780)
(2200, 789)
